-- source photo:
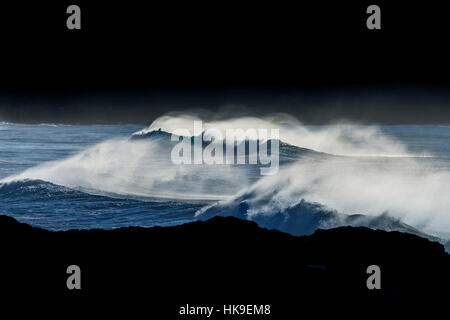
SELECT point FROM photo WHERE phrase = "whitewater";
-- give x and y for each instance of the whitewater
(105, 176)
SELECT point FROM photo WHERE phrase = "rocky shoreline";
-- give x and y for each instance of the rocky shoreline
(218, 261)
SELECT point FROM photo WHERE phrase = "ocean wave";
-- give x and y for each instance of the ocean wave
(305, 196)
(342, 139)
(304, 218)
(35, 190)
(141, 169)
(313, 189)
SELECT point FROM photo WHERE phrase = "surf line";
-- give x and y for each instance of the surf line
(238, 145)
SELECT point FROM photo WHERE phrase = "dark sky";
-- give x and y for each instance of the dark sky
(133, 61)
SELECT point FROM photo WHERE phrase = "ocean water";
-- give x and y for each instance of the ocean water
(56, 207)
(63, 177)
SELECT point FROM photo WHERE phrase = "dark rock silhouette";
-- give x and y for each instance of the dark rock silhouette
(216, 262)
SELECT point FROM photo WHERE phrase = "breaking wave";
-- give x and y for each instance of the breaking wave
(329, 176)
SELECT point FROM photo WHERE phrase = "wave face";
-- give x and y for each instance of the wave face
(55, 207)
(140, 169)
(331, 193)
(392, 178)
